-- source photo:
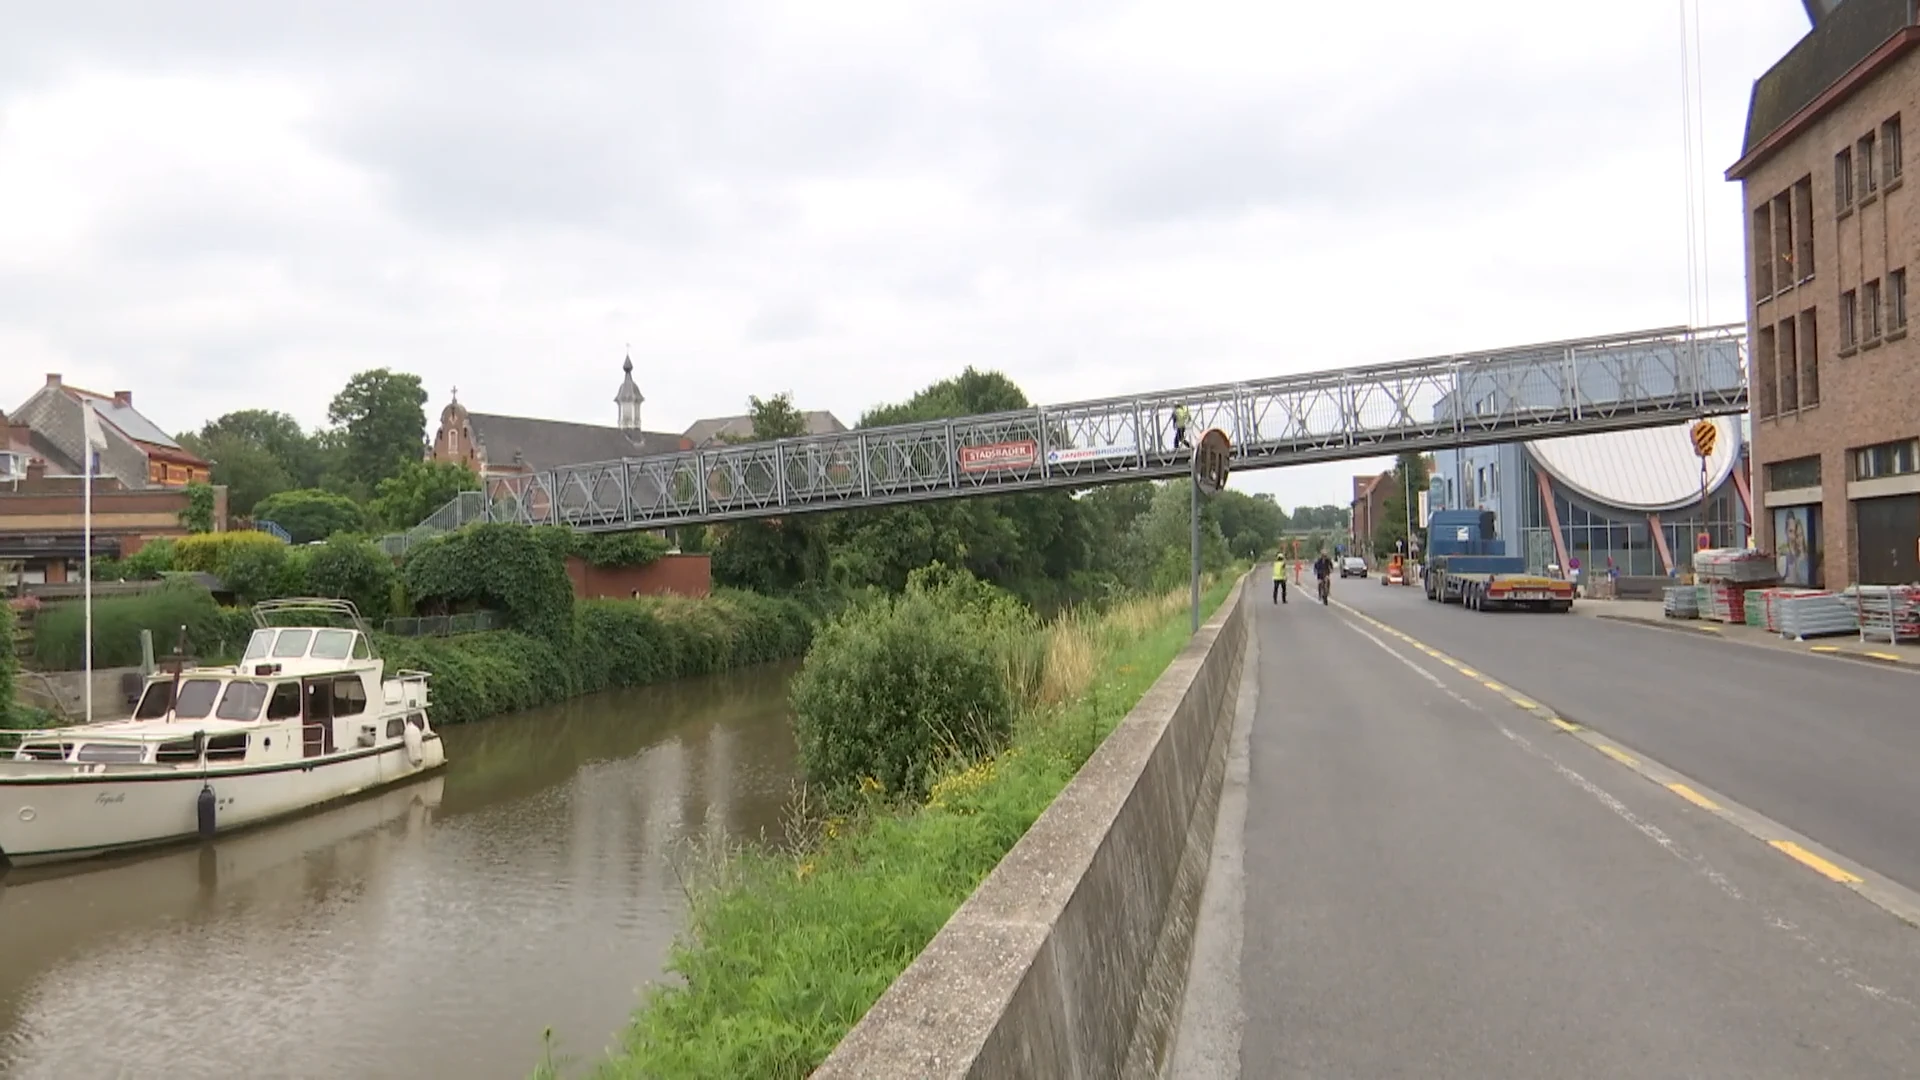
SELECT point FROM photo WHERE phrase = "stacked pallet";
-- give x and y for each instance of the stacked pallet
(1804, 614)
(1889, 613)
(1725, 575)
(1681, 602)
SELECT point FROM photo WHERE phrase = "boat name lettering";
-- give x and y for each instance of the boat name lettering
(107, 798)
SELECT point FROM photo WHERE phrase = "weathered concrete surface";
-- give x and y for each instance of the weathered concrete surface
(1068, 961)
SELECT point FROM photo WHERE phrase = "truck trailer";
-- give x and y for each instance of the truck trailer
(1463, 567)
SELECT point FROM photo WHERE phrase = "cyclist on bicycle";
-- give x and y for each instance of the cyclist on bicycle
(1323, 572)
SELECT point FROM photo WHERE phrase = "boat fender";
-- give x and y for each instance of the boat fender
(416, 749)
(206, 811)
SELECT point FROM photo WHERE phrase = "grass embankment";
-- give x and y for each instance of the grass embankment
(787, 949)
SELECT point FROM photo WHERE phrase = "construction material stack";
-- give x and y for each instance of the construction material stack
(1889, 613)
(1725, 575)
(1466, 566)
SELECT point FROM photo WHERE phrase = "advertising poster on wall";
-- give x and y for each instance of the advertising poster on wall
(1795, 541)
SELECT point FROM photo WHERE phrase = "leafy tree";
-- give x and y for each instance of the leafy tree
(256, 453)
(310, 514)
(408, 497)
(1392, 527)
(1252, 524)
(1328, 518)
(779, 554)
(382, 421)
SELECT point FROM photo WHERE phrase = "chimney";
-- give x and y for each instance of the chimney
(53, 378)
(36, 470)
(123, 398)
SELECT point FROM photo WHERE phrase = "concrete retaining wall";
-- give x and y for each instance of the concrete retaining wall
(1069, 960)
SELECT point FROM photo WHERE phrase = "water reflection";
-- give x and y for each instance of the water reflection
(433, 930)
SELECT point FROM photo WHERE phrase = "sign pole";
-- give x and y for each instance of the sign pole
(1194, 483)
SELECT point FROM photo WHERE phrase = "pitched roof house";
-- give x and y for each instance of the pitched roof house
(51, 426)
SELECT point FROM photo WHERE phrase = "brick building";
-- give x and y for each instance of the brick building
(1369, 506)
(1831, 231)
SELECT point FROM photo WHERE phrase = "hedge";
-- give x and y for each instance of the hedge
(9, 664)
(611, 643)
(212, 631)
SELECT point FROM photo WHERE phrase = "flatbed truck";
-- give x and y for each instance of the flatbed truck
(1462, 568)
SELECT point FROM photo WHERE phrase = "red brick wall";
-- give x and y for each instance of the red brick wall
(679, 575)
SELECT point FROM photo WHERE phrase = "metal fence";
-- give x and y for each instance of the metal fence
(463, 509)
(469, 622)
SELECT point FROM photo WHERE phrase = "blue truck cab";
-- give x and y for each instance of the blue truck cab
(1464, 565)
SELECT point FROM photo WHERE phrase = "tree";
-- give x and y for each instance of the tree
(1410, 471)
(310, 514)
(775, 555)
(408, 497)
(382, 421)
(1252, 524)
(256, 453)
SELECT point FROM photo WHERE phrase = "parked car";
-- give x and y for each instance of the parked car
(1353, 566)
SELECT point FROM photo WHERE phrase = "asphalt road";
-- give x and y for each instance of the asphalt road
(1826, 746)
(1429, 882)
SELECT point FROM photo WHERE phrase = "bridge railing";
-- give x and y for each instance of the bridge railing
(1537, 391)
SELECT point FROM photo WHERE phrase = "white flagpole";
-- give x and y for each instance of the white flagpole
(95, 441)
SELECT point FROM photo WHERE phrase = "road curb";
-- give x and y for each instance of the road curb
(1888, 660)
(1877, 889)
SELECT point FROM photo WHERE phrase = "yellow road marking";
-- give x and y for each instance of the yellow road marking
(1494, 686)
(1823, 648)
(1884, 655)
(1618, 755)
(1522, 702)
(1692, 796)
(1564, 725)
(1467, 671)
(1816, 862)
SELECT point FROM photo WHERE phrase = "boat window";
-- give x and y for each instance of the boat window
(418, 720)
(196, 699)
(285, 703)
(111, 753)
(229, 747)
(349, 696)
(292, 643)
(46, 751)
(155, 702)
(177, 752)
(360, 650)
(242, 700)
(396, 727)
(259, 645)
(332, 644)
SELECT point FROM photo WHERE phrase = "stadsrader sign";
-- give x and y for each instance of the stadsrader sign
(1004, 455)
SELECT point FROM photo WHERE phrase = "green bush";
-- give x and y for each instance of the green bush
(514, 569)
(212, 631)
(896, 686)
(9, 665)
(350, 568)
(475, 676)
(210, 553)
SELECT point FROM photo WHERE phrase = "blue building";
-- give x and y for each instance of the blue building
(1632, 497)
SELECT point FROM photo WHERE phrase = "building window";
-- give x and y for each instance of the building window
(1765, 392)
(1788, 361)
(1801, 472)
(1890, 149)
(1762, 251)
(1887, 459)
(1867, 180)
(1784, 272)
(1803, 229)
(1849, 321)
(1807, 341)
(1897, 300)
(1843, 181)
(1870, 307)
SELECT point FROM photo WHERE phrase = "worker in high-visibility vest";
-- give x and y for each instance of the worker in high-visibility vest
(1279, 578)
(1180, 418)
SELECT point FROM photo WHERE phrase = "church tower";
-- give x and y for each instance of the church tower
(629, 399)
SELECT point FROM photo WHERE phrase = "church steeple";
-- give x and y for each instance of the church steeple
(629, 398)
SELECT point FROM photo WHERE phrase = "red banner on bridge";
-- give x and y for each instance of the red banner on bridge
(1006, 455)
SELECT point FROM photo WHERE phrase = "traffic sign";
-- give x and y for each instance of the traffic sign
(1705, 437)
(1212, 456)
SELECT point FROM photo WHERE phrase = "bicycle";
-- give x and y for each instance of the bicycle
(1326, 586)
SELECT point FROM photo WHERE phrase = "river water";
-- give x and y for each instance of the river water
(430, 931)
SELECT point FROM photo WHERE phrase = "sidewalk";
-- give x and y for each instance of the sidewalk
(1848, 646)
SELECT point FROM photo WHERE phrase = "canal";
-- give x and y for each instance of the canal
(433, 930)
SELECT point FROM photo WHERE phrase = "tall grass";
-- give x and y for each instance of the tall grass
(787, 947)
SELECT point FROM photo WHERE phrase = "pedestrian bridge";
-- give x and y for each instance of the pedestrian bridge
(1633, 380)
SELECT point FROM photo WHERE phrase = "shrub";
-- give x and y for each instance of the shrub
(515, 569)
(475, 676)
(212, 631)
(892, 688)
(9, 665)
(257, 572)
(350, 568)
(211, 553)
(154, 558)
(309, 514)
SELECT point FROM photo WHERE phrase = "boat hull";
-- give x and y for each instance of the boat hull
(45, 819)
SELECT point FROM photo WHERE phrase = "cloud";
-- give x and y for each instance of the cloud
(226, 204)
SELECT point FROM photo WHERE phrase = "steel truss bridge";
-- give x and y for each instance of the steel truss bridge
(1634, 380)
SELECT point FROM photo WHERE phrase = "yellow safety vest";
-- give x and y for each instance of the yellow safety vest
(1279, 568)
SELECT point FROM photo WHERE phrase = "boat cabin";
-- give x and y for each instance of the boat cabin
(298, 692)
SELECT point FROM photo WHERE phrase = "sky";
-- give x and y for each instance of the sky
(237, 205)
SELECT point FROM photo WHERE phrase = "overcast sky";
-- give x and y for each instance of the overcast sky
(220, 205)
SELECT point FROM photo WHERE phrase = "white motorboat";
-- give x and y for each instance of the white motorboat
(309, 715)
